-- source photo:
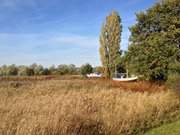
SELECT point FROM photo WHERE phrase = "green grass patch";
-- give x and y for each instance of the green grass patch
(167, 129)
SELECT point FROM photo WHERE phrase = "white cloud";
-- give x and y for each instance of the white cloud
(27, 48)
(73, 40)
(47, 49)
(45, 39)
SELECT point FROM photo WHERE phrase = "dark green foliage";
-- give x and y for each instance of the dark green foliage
(72, 69)
(66, 69)
(35, 69)
(3, 70)
(86, 69)
(174, 68)
(52, 70)
(155, 41)
(46, 71)
(29, 71)
(12, 70)
(38, 69)
(22, 71)
(8, 70)
(98, 69)
(62, 69)
(121, 65)
(173, 82)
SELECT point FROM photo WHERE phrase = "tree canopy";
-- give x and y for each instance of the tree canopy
(86, 69)
(154, 49)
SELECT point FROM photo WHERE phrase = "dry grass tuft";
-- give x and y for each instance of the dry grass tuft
(82, 107)
(140, 86)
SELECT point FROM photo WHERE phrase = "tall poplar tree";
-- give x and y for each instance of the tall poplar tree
(110, 38)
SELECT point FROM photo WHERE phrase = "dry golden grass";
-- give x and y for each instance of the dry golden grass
(82, 107)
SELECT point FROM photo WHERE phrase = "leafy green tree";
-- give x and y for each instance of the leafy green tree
(121, 65)
(98, 69)
(72, 69)
(22, 71)
(155, 41)
(110, 38)
(62, 69)
(46, 71)
(12, 70)
(3, 70)
(86, 69)
(29, 71)
(39, 70)
(53, 70)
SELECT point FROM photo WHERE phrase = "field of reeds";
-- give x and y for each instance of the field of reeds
(78, 106)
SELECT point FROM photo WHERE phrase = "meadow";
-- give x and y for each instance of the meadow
(72, 105)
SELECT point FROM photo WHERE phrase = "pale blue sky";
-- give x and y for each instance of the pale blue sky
(59, 31)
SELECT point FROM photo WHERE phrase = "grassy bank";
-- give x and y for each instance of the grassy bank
(76, 106)
(166, 129)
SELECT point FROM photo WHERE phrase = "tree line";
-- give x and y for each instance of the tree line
(35, 69)
(154, 44)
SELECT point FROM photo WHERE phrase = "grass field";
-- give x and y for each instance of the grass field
(166, 129)
(77, 106)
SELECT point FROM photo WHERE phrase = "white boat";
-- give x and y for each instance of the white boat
(94, 75)
(129, 79)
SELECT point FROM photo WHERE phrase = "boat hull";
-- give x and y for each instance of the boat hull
(93, 75)
(126, 79)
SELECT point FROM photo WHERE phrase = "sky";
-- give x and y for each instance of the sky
(57, 32)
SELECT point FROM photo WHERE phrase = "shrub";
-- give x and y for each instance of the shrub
(174, 81)
(86, 69)
(12, 70)
(22, 71)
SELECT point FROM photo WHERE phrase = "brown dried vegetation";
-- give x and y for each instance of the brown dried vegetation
(75, 106)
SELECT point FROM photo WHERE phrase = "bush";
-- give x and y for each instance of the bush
(173, 81)
(98, 69)
(86, 69)
(62, 69)
(12, 70)
(22, 71)
(66, 69)
(35, 70)
(46, 71)
(29, 71)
